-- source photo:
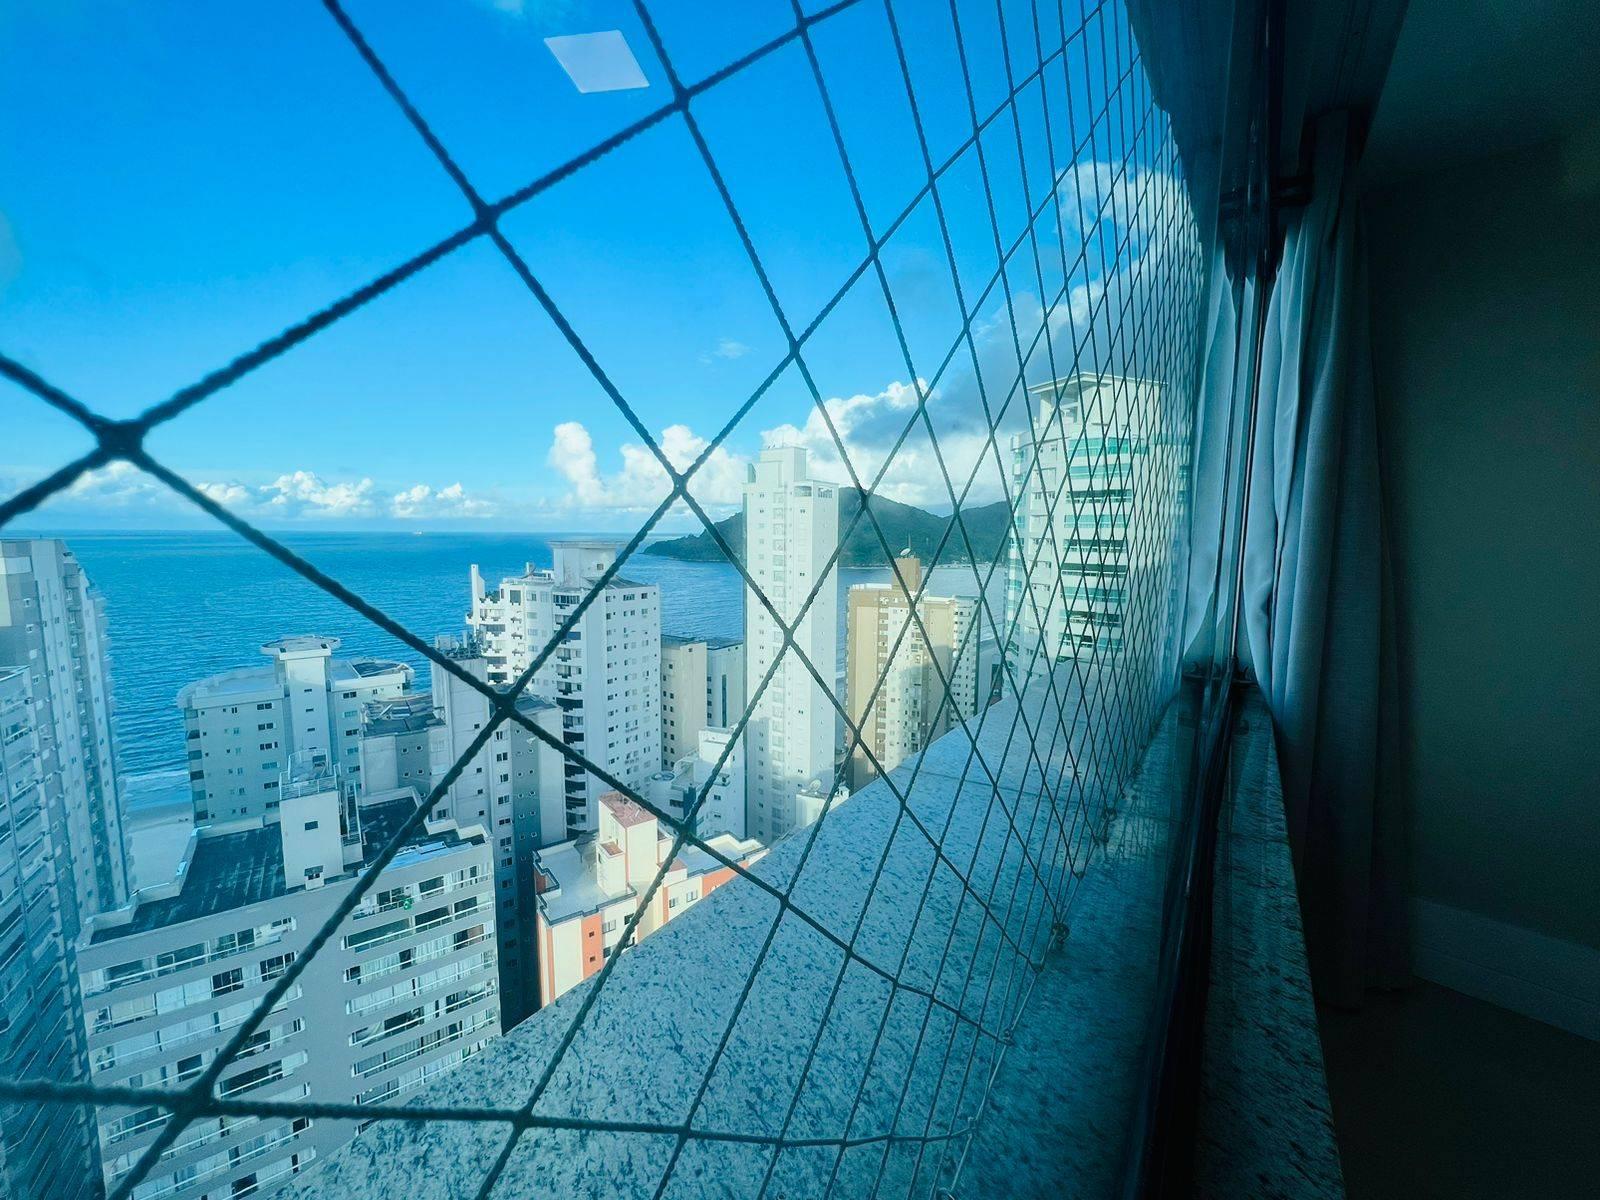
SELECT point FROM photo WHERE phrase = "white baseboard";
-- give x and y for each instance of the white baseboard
(1541, 977)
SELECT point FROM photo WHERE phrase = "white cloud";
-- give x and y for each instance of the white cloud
(852, 417)
(231, 495)
(641, 484)
(420, 500)
(869, 426)
(121, 491)
(119, 485)
(572, 455)
(726, 349)
(125, 489)
(304, 494)
(1146, 224)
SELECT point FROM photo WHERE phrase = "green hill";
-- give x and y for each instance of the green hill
(903, 525)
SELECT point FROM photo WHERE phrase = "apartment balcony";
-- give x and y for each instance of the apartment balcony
(1236, 357)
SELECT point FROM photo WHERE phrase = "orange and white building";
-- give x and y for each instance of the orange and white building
(588, 887)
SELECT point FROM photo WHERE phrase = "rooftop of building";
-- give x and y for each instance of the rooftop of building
(299, 643)
(576, 889)
(225, 871)
(246, 681)
(381, 820)
(367, 667)
(1074, 386)
(459, 649)
(546, 575)
(405, 714)
(527, 702)
(308, 773)
(587, 543)
(627, 812)
(695, 861)
(234, 866)
(578, 892)
(710, 643)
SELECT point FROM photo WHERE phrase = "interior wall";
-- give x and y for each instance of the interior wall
(1486, 328)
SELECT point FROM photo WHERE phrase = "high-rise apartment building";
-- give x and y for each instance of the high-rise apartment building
(723, 809)
(909, 709)
(1078, 471)
(405, 989)
(46, 1153)
(589, 887)
(791, 529)
(52, 625)
(243, 726)
(702, 684)
(604, 676)
(514, 787)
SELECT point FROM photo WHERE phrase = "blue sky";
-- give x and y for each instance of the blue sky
(183, 181)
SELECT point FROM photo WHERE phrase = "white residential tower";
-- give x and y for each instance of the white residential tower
(791, 528)
(604, 675)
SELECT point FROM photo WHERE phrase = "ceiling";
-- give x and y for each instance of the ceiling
(1474, 78)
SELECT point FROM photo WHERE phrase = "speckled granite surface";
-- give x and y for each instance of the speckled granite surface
(1061, 1104)
(1065, 1087)
(963, 927)
(1266, 1126)
(1062, 1101)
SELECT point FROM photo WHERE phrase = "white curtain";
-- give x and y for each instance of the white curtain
(1314, 605)
(1218, 466)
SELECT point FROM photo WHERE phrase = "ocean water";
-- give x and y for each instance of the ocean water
(180, 606)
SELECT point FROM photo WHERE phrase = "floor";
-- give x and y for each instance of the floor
(1437, 1094)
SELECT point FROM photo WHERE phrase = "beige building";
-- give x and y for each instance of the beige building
(906, 714)
(702, 686)
(683, 713)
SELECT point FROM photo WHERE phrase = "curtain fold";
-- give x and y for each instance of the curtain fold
(1217, 467)
(1315, 586)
